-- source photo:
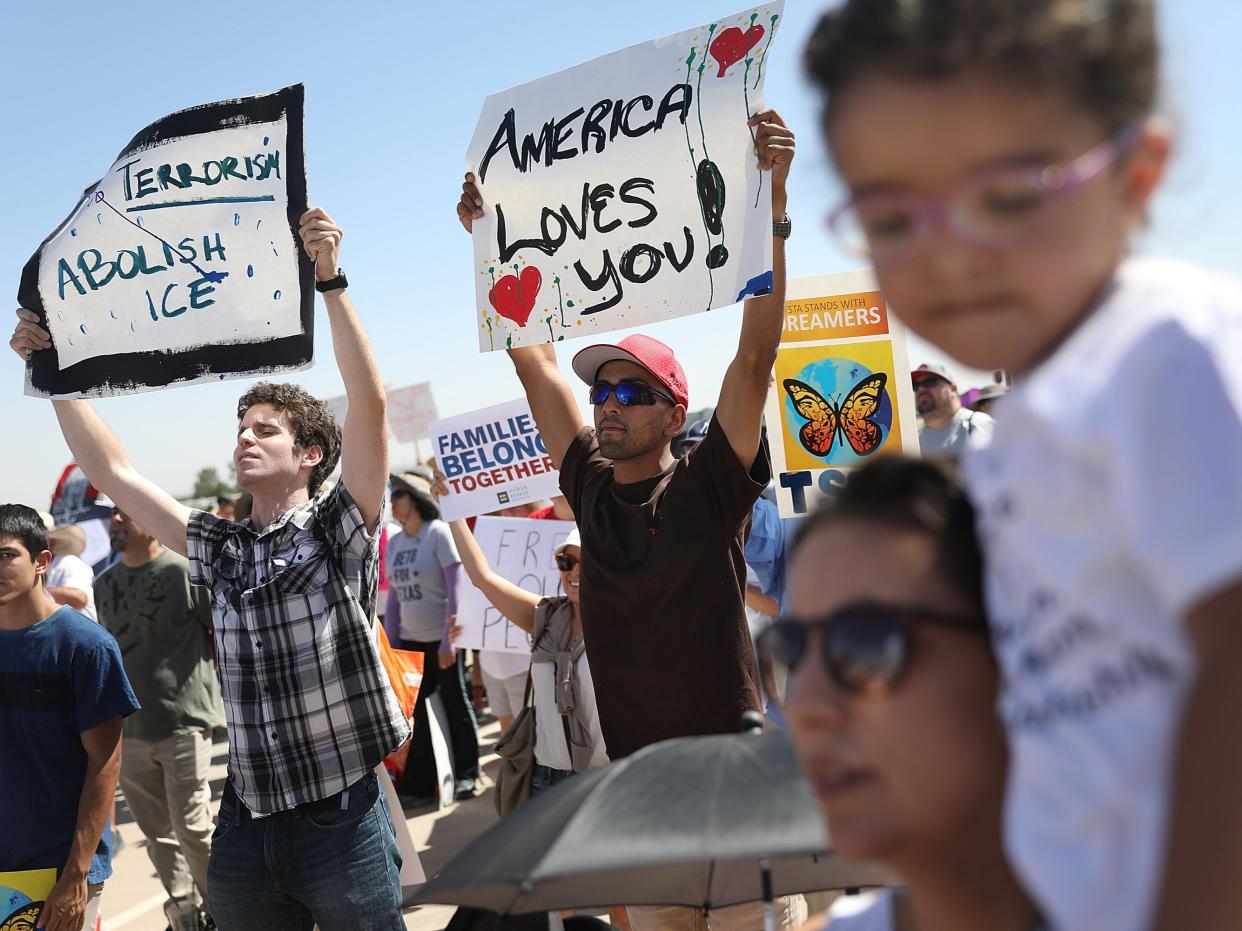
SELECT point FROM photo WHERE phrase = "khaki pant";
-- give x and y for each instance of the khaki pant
(165, 784)
(90, 917)
(790, 913)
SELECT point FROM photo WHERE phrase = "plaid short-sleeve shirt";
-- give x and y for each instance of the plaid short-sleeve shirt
(309, 706)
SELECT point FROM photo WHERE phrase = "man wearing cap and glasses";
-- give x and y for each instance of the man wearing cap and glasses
(662, 569)
(948, 429)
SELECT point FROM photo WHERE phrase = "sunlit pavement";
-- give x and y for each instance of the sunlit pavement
(133, 897)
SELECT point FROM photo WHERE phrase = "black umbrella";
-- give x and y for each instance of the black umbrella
(700, 821)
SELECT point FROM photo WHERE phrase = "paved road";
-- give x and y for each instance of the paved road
(134, 899)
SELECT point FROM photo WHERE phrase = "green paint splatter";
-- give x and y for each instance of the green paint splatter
(749, 114)
(560, 299)
(764, 54)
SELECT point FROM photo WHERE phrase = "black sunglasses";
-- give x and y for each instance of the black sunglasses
(628, 393)
(565, 562)
(865, 648)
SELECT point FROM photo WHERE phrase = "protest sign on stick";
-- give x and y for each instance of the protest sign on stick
(524, 552)
(491, 459)
(182, 263)
(411, 411)
(842, 392)
(625, 190)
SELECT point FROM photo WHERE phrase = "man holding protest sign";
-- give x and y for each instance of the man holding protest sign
(309, 707)
(662, 570)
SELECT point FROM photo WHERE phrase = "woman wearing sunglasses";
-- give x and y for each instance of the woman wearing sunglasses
(884, 671)
(568, 737)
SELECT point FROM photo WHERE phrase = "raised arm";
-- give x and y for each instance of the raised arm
(745, 386)
(100, 455)
(549, 393)
(514, 602)
(364, 444)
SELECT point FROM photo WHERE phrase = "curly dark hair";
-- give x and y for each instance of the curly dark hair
(911, 494)
(1103, 53)
(313, 424)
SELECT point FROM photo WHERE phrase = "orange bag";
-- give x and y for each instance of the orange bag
(405, 673)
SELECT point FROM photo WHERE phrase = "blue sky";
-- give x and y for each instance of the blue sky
(392, 95)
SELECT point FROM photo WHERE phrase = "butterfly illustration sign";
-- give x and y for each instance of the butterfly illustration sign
(842, 391)
(625, 190)
(181, 264)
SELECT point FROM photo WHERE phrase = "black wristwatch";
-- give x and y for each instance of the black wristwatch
(782, 228)
(337, 283)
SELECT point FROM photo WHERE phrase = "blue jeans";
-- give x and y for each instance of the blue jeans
(545, 777)
(334, 864)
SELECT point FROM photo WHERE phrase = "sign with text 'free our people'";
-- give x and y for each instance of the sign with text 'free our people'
(625, 190)
(182, 263)
(491, 459)
(524, 552)
(842, 392)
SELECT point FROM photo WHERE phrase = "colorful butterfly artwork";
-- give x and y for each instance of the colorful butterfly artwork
(851, 419)
(24, 919)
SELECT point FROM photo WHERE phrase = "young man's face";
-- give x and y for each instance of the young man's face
(629, 432)
(20, 572)
(267, 453)
(1003, 304)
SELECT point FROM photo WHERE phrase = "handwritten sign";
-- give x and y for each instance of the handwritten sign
(411, 412)
(625, 190)
(842, 392)
(491, 459)
(181, 264)
(524, 552)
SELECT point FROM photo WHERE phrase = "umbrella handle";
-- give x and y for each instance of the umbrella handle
(769, 910)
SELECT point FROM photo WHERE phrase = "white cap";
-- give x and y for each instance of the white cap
(574, 539)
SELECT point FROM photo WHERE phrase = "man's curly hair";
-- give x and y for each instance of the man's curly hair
(312, 422)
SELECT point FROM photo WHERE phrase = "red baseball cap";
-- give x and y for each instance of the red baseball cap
(650, 353)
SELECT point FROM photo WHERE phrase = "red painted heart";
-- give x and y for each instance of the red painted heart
(514, 297)
(729, 47)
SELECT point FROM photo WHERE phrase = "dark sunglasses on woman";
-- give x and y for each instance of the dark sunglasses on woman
(565, 562)
(628, 393)
(864, 648)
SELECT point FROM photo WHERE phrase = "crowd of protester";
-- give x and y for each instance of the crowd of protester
(1013, 685)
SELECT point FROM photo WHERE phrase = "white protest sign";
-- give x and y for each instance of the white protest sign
(625, 190)
(491, 459)
(181, 264)
(411, 411)
(524, 552)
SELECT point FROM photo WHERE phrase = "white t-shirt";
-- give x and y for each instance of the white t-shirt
(966, 430)
(1110, 504)
(551, 750)
(71, 572)
(870, 911)
(504, 665)
(416, 567)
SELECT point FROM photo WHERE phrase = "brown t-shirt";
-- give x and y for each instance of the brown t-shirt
(663, 580)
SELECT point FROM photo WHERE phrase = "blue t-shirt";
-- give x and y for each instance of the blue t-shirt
(768, 547)
(58, 678)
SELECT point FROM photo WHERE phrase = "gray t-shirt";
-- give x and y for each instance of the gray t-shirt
(163, 626)
(967, 430)
(416, 567)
